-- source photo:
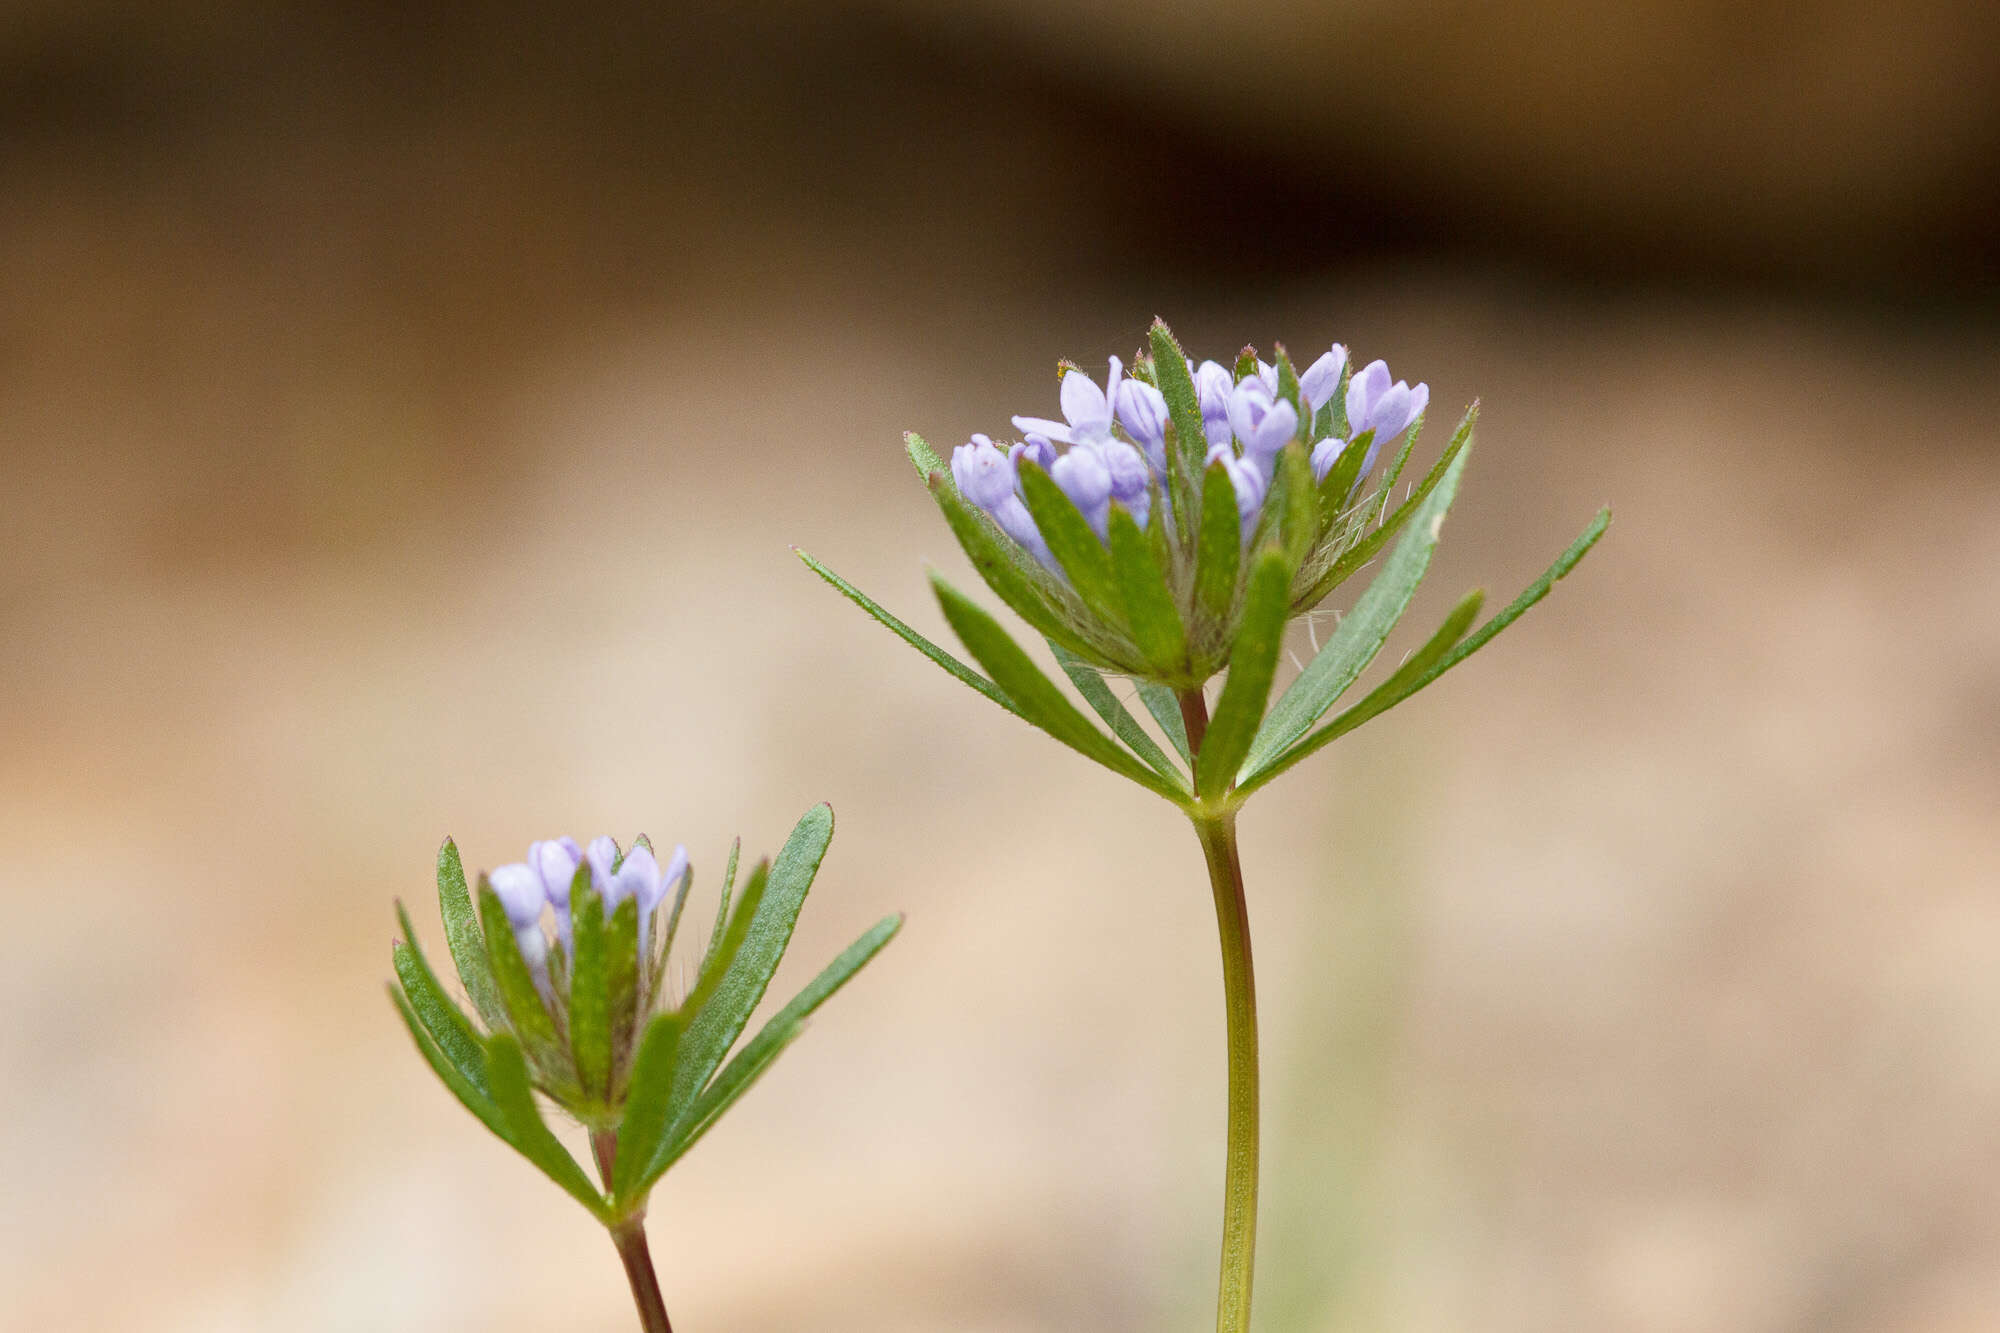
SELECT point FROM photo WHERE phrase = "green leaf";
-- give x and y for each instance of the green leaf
(444, 1020)
(473, 1098)
(589, 988)
(756, 1056)
(1422, 668)
(1003, 565)
(1147, 605)
(665, 951)
(1221, 550)
(621, 974)
(1332, 419)
(1189, 444)
(527, 1015)
(952, 665)
(751, 951)
(1298, 504)
(525, 1129)
(1096, 692)
(721, 920)
(1361, 634)
(1396, 468)
(922, 457)
(649, 1107)
(1338, 484)
(1076, 548)
(1288, 389)
(1165, 706)
(1035, 696)
(461, 933)
(1252, 662)
(1246, 364)
(1364, 550)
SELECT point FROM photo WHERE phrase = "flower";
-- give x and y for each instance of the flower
(1273, 434)
(1374, 404)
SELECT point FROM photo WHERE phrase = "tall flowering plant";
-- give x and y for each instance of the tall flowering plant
(566, 958)
(1166, 530)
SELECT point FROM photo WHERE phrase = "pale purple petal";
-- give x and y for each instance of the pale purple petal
(1325, 454)
(1322, 378)
(602, 853)
(1087, 482)
(1391, 412)
(555, 860)
(1142, 410)
(1363, 389)
(1014, 519)
(1042, 426)
(1213, 386)
(1088, 410)
(519, 890)
(1131, 479)
(1249, 404)
(1036, 449)
(984, 475)
(1274, 430)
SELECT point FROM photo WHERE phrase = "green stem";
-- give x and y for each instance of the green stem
(1217, 832)
(629, 1236)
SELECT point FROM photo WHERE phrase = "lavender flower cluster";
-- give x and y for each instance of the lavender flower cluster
(1115, 440)
(526, 888)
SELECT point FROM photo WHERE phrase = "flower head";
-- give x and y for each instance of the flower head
(589, 1021)
(1122, 447)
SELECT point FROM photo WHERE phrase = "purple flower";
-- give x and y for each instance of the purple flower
(1142, 411)
(1131, 479)
(1213, 385)
(1247, 481)
(1086, 480)
(1263, 423)
(1320, 379)
(1325, 454)
(1087, 407)
(1373, 403)
(986, 477)
(555, 861)
(638, 877)
(519, 889)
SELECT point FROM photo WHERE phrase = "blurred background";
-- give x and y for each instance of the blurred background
(405, 412)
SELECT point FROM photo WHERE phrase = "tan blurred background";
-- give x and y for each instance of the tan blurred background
(405, 416)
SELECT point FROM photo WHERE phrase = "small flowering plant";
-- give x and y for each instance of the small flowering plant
(590, 1018)
(1166, 530)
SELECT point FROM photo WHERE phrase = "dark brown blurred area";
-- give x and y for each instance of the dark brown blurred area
(405, 414)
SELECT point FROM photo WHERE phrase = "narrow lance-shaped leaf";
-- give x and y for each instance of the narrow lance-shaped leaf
(1364, 550)
(526, 1012)
(1396, 469)
(1361, 633)
(1165, 706)
(1076, 548)
(1096, 692)
(474, 1099)
(1147, 604)
(621, 973)
(526, 1131)
(1035, 695)
(589, 994)
(461, 933)
(922, 456)
(757, 1055)
(649, 1106)
(952, 665)
(1190, 442)
(1001, 564)
(1253, 660)
(444, 1020)
(1221, 547)
(1414, 676)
